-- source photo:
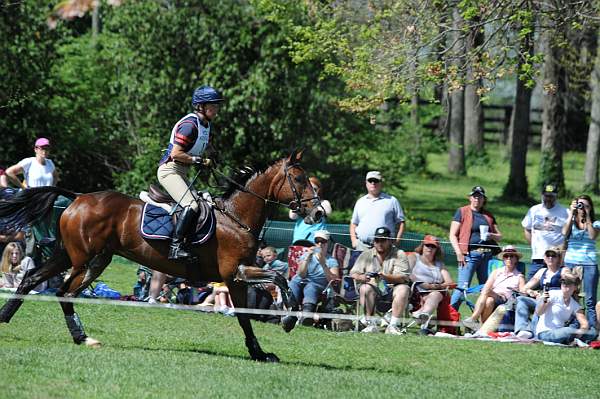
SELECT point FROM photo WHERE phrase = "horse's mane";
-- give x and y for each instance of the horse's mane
(241, 176)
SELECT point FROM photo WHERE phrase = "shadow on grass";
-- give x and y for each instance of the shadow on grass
(316, 365)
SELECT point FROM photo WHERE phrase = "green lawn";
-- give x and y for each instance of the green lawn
(156, 353)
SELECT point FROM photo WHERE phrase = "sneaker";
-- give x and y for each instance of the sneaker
(372, 328)
(470, 324)
(422, 317)
(393, 330)
(288, 323)
(525, 334)
(229, 312)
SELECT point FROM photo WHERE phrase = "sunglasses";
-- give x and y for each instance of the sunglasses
(374, 181)
(320, 241)
(43, 148)
(551, 255)
(565, 282)
(509, 256)
(431, 246)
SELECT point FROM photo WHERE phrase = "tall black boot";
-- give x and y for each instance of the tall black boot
(184, 224)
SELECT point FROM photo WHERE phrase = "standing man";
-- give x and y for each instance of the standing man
(543, 227)
(386, 265)
(373, 210)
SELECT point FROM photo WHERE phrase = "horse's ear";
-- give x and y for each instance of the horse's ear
(295, 156)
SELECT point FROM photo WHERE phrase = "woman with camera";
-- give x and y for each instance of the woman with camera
(581, 231)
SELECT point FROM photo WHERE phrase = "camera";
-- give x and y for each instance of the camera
(372, 274)
(579, 205)
(546, 287)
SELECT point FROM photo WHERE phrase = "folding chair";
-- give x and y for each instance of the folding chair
(444, 311)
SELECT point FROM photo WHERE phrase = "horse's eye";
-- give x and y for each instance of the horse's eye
(299, 179)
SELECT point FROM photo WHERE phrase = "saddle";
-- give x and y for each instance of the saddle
(158, 222)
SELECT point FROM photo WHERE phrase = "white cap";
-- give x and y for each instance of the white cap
(374, 174)
(324, 234)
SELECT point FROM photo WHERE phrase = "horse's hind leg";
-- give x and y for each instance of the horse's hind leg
(78, 281)
(58, 263)
(238, 292)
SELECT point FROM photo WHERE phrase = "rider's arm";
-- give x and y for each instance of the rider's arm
(179, 155)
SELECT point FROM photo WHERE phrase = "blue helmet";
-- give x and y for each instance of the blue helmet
(206, 94)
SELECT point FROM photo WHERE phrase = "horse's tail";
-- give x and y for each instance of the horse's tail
(28, 206)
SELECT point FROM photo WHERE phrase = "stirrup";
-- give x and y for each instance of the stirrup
(177, 252)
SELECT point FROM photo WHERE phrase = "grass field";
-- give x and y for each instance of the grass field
(158, 353)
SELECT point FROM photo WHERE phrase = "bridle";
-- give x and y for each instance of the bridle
(296, 205)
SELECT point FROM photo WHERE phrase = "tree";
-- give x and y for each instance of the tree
(456, 148)
(593, 141)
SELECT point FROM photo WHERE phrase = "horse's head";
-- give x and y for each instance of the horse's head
(296, 190)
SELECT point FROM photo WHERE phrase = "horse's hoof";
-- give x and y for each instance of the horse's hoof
(271, 358)
(92, 343)
(288, 323)
(267, 358)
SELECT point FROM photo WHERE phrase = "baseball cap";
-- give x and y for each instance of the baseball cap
(42, 141)
(477, 190)
(557, 250)
(550, 189)
(382, 232)
(324, 234)
(374, 174)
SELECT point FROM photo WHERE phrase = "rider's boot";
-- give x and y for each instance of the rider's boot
(184, 224)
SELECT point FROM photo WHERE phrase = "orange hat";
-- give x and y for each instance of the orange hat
(429, 239)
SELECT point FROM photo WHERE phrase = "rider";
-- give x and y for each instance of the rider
(189, 139)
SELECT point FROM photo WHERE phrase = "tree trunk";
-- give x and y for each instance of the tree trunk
(516, 187)
(553, 110)
(456, 150)
(593, 141)
(473, 107)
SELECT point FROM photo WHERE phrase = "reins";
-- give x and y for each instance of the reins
(293, 205)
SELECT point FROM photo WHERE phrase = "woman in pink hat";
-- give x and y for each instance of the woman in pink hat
(37, 171)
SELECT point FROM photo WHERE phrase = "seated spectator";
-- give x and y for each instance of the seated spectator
(498, 288)
(269, 255)
(315, 271)
(305, 228)
(547, 278)
(388, 265)
(142, 285)
(14, 265)
(556, 308)
(261, 297)
(223, 302)
(431, 276)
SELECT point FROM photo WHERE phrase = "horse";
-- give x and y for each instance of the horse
(98, 225)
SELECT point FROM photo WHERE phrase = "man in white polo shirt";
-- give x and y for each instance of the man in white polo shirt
(543, 227)
(374, 210)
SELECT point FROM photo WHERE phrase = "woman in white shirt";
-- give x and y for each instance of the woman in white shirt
(556, 309)
(38, 171)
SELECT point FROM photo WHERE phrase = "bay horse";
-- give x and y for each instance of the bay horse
(98, 225)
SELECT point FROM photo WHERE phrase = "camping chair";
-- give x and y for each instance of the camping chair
(493, 264)
(444, 311)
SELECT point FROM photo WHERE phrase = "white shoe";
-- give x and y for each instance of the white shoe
(393, 330)
(422, 317)
(470, 324)
(370, 329)
(152, 300)
(525, 334)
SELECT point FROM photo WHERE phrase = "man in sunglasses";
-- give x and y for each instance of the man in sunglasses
(373, 210)
(383, 275)
(543, 227)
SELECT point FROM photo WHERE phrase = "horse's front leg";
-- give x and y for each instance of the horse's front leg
(239, 292)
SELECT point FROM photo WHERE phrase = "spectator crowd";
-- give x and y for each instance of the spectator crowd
(537, 298)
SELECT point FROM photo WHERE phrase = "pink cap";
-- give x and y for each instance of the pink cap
(42, 141)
